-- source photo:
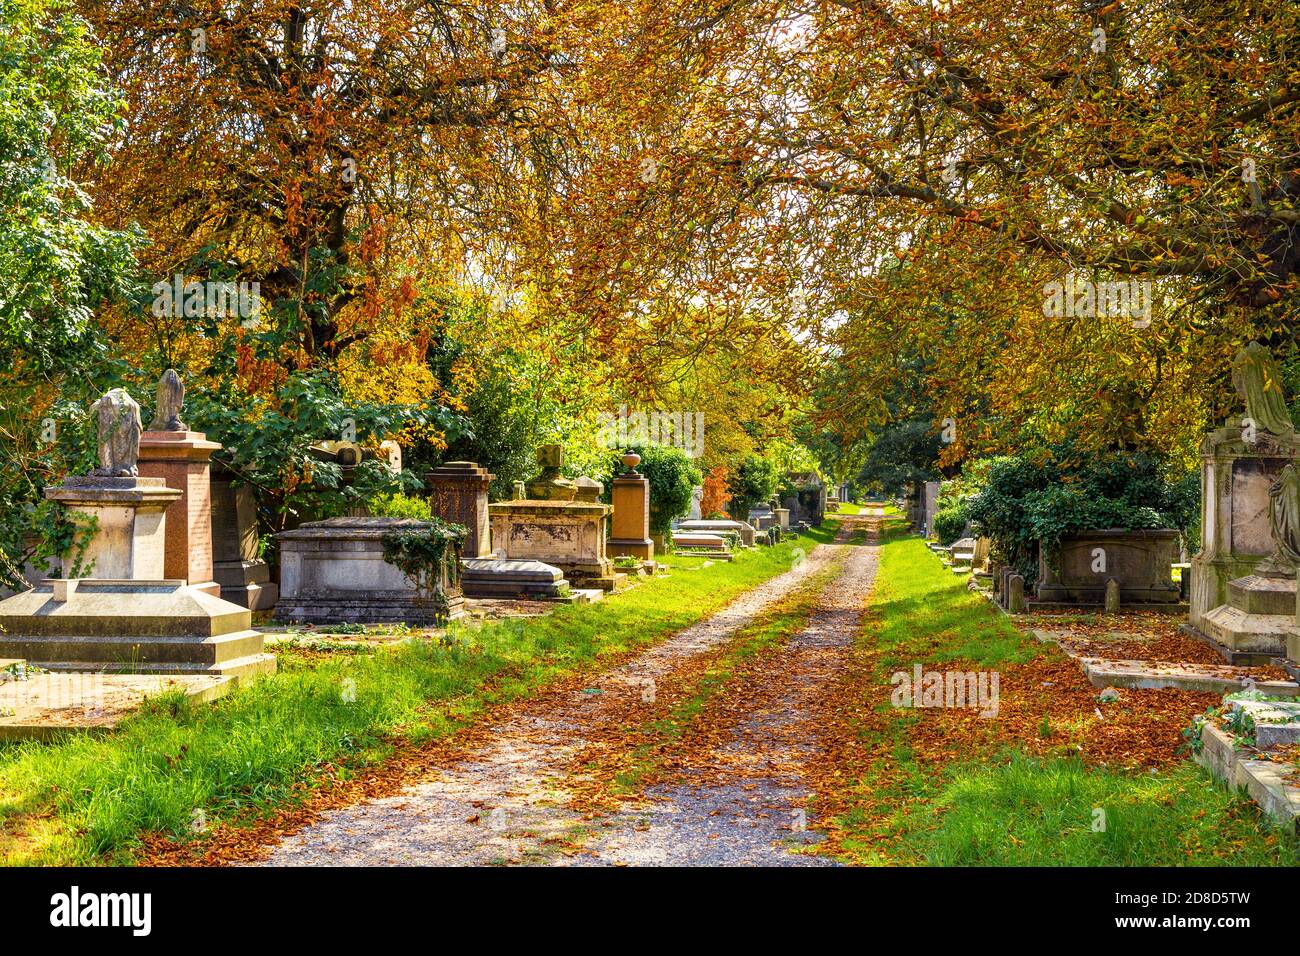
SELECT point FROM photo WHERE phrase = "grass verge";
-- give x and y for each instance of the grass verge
(1050, 780)
(176, 769)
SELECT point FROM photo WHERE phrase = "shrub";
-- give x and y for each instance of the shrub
(399, 505)
(754, 482)
(949, 523)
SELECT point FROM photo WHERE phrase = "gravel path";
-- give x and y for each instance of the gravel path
(507, 803)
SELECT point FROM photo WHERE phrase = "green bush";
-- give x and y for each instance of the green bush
(399, 505)
(950, 523)
(753, 483)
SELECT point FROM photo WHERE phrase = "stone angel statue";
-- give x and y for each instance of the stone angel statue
(1258, 381)
(118, 421)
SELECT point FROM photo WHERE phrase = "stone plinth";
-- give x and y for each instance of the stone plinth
(503, 578)
(244, 578)
(700, 540)
(743, 530)
(1139, 560)
(129, 541)
(181, 459)
(143, 627)
(782, 518)
(458, 492)
(631, 522)
(1235, 532)
(334, 572)
(567, 534)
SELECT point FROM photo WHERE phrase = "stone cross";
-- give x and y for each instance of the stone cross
(118, 420)
(171, 398)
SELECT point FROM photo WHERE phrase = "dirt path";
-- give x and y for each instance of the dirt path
(510, 801)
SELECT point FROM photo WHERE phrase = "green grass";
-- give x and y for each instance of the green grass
(87, 800)
(849, 508)
(1003, 808)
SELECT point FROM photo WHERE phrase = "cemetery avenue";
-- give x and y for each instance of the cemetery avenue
(857, 440)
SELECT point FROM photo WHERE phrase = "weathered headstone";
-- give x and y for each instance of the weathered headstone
(458, 492)
(1015, 594)
(1112, 596)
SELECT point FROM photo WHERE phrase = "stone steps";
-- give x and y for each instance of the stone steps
(239, 668)
(203, 652)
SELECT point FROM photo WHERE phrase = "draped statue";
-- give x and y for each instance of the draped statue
(171, 397)
(1284, 522)
(1257, 380)
(118, 423)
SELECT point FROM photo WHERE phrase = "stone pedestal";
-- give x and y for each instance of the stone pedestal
(334, 572)
(782, 518)
(244, 578)
(134, 627)
(181, 459)
(1228, 602)
(458, 492)
(569, 535)
(130, 515)
(631, 522)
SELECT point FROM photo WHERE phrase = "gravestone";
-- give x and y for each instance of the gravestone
(630, 493)
(931, 507)
(245, 578)
(1015, 594)
(114, 609)
(1112, 596)
(458, 492)
(181, 458)
(1241, 595)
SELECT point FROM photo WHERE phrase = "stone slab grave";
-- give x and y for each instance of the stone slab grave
(334, 572)
(43, 706)
(1277, 722)
(113, 610)
(742, 529)
(688, 542)
(504, 578)
(1152, 675)
(1267, 782)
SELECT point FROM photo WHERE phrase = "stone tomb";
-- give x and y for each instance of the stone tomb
(570, 535)
(114, 610)
(743, 530)
(1241, 597)
(244, 577)
(552, 527)
(1139, 561)
(334, 572)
